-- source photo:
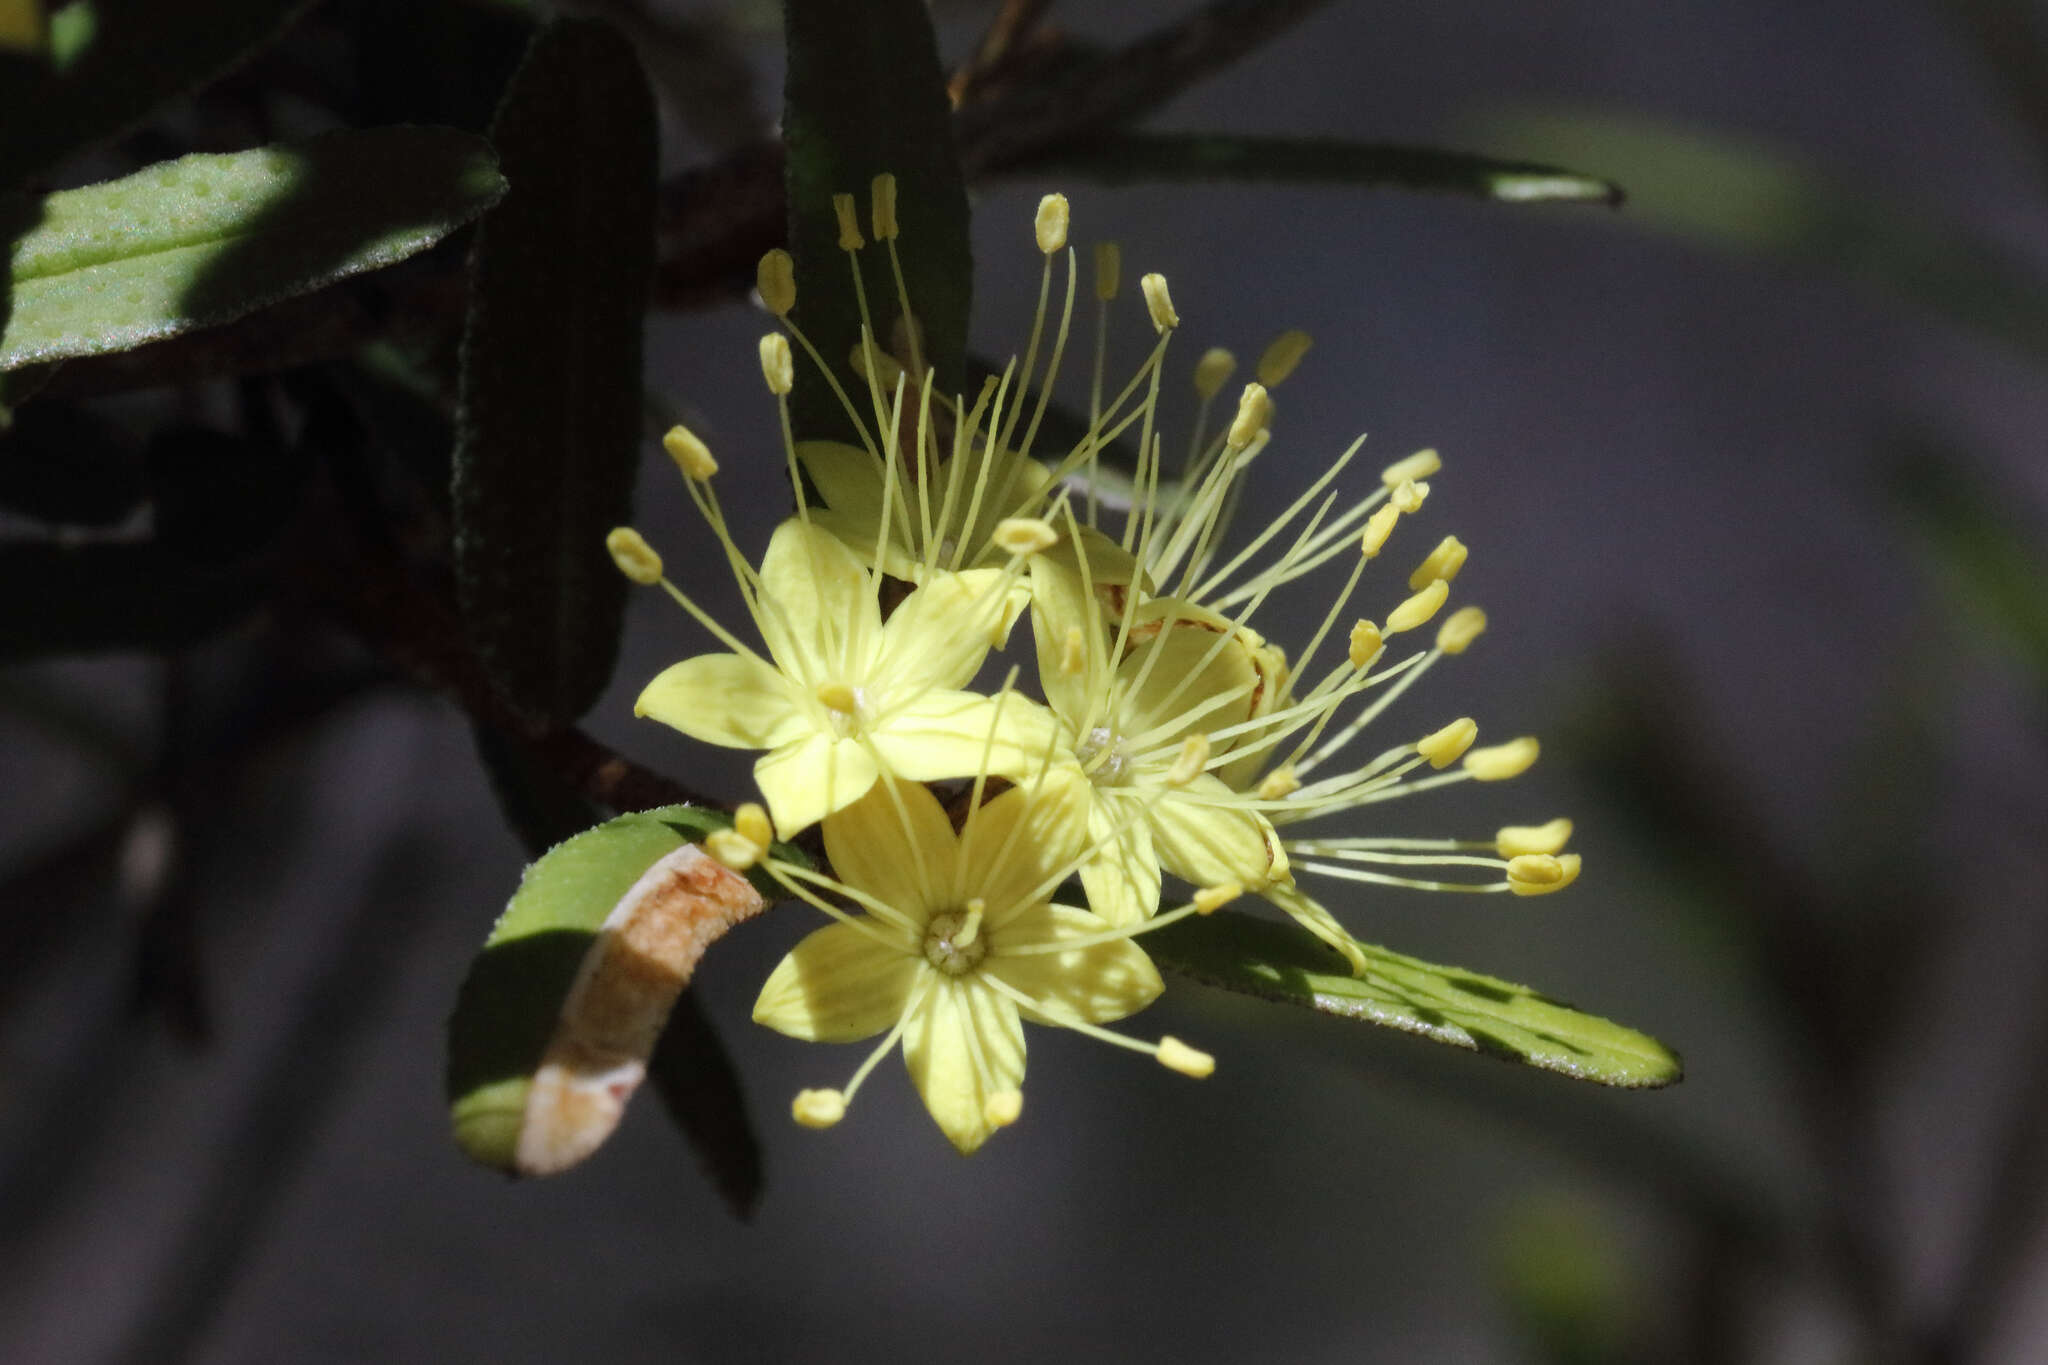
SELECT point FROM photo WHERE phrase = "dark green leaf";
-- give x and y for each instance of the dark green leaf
(1141, 157)
(207, 238)
(541, 809)
(550, 422)
(62, 463)
(92, 599)
(700, 1090)
(113, 61)
(1444, 1004)
(865, 95)
(1728, 194)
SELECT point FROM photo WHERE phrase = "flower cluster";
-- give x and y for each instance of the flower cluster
(1165, 736)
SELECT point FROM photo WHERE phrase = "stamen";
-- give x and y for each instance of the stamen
(1408, 495)
(1254, 415)
(882, 201)
(818, 1108)
(1278, 785)
(849, 223)
(691, 455)
(1420, 465)
(751, 821)
(776, 280)
(634, 557)
(732, 848)
(1190, 763)
(1366, 643)
(839, 697)
(1051, 225)
(1444, 747)
(1073, 653)
(1378, 527)
(777, 366)
(1159, 303)
(1418, 609)
(1460, 629)
(1213, 371)
(1175, 1055)
(1502, 761)
(1442, 564)
(1513, 841)
(1109, 270)
(1024, 535)
(1282, 356)
(1210, 899)
(1539, 874)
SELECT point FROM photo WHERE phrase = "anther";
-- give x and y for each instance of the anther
(882, 205)
(1003, 1108)
(1460, 629)
(1024, 535)
(1159, 302)
(1420, 465)
(1190, 762)
(1175, 1055)
(1051, 225)
(1282, 356)
(690, 453)
(1073, 652)
(1418, 609)
(1365, 643)
(1213, 371)
(1279, 784)
(1378, 527)
(1539, 874)
(849, 223)
(1408, 496)
(1210, 899)
(1444, 747)
(732, 848)
(838, 696)
(1109, 270)
(751, 822)
(1515, 841)
(1503, 761)
(776, 279)
(818, 1108)
(970, 927)
(1443, 563)
(777, 365)
(635, 558)
(1254, 415)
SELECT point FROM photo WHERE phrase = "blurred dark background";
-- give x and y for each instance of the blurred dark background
(1752, 473)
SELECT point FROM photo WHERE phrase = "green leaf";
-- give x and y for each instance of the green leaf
(1737, 196)
(1445, 1004)
(550, 412)
(92, 599)
(865, 95)
(1127, 158)
(113, 61)
(206, 238)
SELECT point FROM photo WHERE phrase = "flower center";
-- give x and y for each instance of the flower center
(1105, 757)
(953, 942)
(844, 705)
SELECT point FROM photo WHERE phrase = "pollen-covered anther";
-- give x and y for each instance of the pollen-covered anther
(1408, 495)
(751, 822)
(1109, 270)
(1418, 609)
(1446, 746)
(1416, 467)
(882, 206)
(1073, 653)
(1539, 874)
(1051, 224)
(1282, 356)
(1190, 762)
(1503, 761)
(690, 453)
(1279, 784)
(849, 222)
(1210, 899)
(1378, 527)
(1213, 371)
(635, 558)
(838, 696)
(1003, 1108)
(1254, 415)
(818, 1108)
(1365, 644)
(1443, 563)
(1159, 303)
(1515, 841)
(778, 367)
(775, 278)
(732, 848)
(1024, 535)
(1175, 1055)
(1460, 629)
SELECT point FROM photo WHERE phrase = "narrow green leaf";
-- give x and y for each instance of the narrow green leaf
(206, 238)
(1722, 192)
(113, 61)
(1127, 158)
(94, 599)
(865, 95)
(550, 421)
(1445, 1004)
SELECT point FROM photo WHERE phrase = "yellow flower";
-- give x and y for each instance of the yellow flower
(960, 943)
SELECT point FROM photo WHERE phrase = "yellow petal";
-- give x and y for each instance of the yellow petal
(1060, 609)
(725, 699)
(1311, 915)
(1202, 678)
(838, 985)
(806, 781)
(896, 844)
(938, 636)
(1012, 845)
(1096, 984)
(961, 1024)
(1206, 844)
(1122, 879)
(946, 734)
(818, 608)
(848, 478)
